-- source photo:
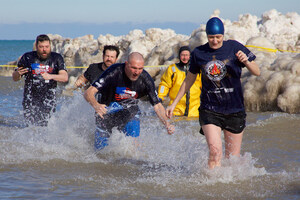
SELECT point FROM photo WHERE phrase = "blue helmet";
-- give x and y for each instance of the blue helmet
(214, 26)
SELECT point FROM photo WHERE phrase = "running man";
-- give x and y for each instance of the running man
(120, 87)
(110, 56)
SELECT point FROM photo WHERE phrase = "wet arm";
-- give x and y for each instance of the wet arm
(161, 113)
(251, 66)
(62, 76)
(89, 96)
(81, 81)
(17, 74)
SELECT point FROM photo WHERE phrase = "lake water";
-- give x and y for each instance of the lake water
(59, 162)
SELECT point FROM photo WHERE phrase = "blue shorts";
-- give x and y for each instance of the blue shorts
(132, 128)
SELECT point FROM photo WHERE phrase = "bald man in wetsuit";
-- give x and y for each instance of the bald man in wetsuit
(120, 87)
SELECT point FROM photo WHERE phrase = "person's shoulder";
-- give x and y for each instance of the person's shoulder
(116, 66)
(56, 55)
(172, 67)
(95, 65)
(114, 70)
(29, 56)
(145, 75)
(231, 42)
(30, 53)
(201, 47)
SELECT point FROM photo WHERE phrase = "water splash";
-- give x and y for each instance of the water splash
(160, 158)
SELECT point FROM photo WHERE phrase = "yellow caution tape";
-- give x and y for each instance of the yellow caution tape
(263, 48)
(157, 66)
(8, 65)
(76, 67)
(270, 49)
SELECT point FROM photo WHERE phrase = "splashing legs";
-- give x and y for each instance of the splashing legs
(233, 143)
(214, 142)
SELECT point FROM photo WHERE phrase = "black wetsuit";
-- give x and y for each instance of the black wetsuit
(39, 99)
(114, 86)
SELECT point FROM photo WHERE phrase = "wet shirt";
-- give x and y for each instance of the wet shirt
(93, 72)
(35, 86)
(115, 86)
(221, 72)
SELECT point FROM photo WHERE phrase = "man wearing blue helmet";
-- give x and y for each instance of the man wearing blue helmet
(220, 64)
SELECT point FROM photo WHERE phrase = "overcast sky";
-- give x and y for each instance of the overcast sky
(18, 12)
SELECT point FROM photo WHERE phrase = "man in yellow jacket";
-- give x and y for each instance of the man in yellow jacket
(171, 81)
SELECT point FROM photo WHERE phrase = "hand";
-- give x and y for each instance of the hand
(242, 57)
(22, 70)
(46, 76)
(170, 129)
(79, 83)
(100, 109)
(169, 111)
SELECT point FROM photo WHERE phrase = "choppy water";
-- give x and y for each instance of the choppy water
(58, 161)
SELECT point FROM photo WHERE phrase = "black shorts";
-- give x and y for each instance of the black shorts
(234, 122)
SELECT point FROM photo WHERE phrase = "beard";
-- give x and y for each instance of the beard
(43, 55)
(107, 64)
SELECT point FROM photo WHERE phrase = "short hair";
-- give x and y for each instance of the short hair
(42, 38)
(111, 48)
(135, 56)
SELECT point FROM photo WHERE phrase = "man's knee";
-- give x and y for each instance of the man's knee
(132, 128)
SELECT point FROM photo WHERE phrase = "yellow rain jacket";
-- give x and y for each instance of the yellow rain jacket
(170, 84)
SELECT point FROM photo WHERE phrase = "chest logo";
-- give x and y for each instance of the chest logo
(125, 93)
(215, 70)
(38, 68)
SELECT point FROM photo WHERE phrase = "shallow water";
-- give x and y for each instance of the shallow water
(58, 161)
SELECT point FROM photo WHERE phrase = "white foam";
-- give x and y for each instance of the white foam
(69, 137)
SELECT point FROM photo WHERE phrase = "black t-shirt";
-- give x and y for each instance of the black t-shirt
(221, 72)
(93, 72)
(35, 86)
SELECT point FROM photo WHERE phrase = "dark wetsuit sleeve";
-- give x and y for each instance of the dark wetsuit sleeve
(106, 80)
(152, 94)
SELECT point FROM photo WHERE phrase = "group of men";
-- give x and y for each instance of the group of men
(212, 70)
(114, 96)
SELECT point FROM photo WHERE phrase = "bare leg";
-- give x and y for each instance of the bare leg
(233, 143)
(214, 142)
